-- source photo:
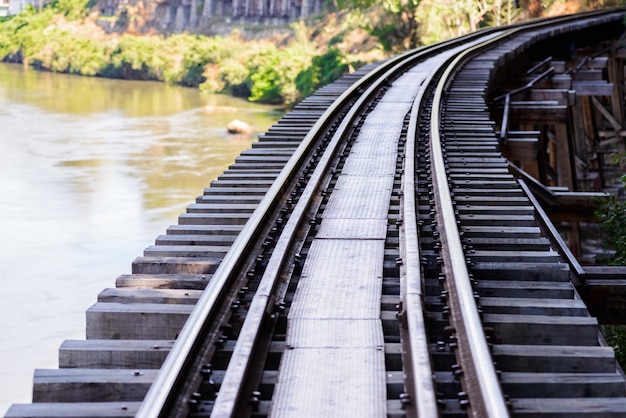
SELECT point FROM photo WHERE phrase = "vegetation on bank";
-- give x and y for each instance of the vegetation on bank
(63, 38)
(260, 70)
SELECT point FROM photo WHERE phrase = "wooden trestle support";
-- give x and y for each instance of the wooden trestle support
(562, 125)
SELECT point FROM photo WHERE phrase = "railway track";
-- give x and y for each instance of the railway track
(371, 255)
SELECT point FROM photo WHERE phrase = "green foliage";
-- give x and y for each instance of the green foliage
(273, 77)
(612, 217)
(323, 70)
(615, 336)
(72, 9)
(613, 223)
(260, 70)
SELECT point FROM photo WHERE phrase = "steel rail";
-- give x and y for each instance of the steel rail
(162, 395)
(420, 385)
(485, 397)
(420, 380)
(231, 388)
(232, 384)
(418, 368)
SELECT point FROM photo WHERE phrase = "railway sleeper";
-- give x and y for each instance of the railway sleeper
(74, 410)
(230, 230)
(174, 265)
(522, 306)
(213, 219)
(545, 385)
(164, 296)
(552, 408)
(91, 385)
(228, 199)
(529, 329)
(225, 208)
(231, 191)
(149, 321)
(188, 239)
(113, 354)
(163, 281)
(511, 288)
(201, 251)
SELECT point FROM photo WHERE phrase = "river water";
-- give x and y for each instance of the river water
(91, 172)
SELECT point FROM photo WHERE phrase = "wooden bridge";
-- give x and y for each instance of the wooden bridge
(411, 240)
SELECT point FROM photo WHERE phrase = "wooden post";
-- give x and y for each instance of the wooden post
(614, 65)
(563, 157)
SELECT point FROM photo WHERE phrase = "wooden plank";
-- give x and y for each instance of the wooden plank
(551, 385)
(543, 358)
(353, 197)
(233, 230)
(568, 407)
(229, 199)
(492, 287)
(496, 210)
(605, 298)
(533, 306)
(592, 88)
(607, 115)
(112, 354)
(560, 96)
(165, 296)
(188, 239)
(540, 329)
(503, 220)
(175, 265)
(201, 251)
(520, 244)
(227, 208)
(163, 281)
(587, 75)
(535, 112)
(94, 385)
(213, 219)
(514, 256)
(522, 271)
(237, 184)
(74, 410)
(144, 321)
(521, 149)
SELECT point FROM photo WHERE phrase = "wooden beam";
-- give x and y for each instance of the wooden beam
(561, 96)
(607, 115)
(547, 112)
(604, 292)
(592, 88)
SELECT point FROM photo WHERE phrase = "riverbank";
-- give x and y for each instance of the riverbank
(278, 70)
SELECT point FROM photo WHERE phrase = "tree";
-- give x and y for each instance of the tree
(396, 27)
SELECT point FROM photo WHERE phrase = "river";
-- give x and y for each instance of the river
(91, 172)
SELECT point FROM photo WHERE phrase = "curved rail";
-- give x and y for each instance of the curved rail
(231, 389)
(161, 397)
(486, 398)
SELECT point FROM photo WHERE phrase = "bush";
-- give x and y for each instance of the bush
(259, 70)
(323, 70)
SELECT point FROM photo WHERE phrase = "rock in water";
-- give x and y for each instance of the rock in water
(238, 127)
